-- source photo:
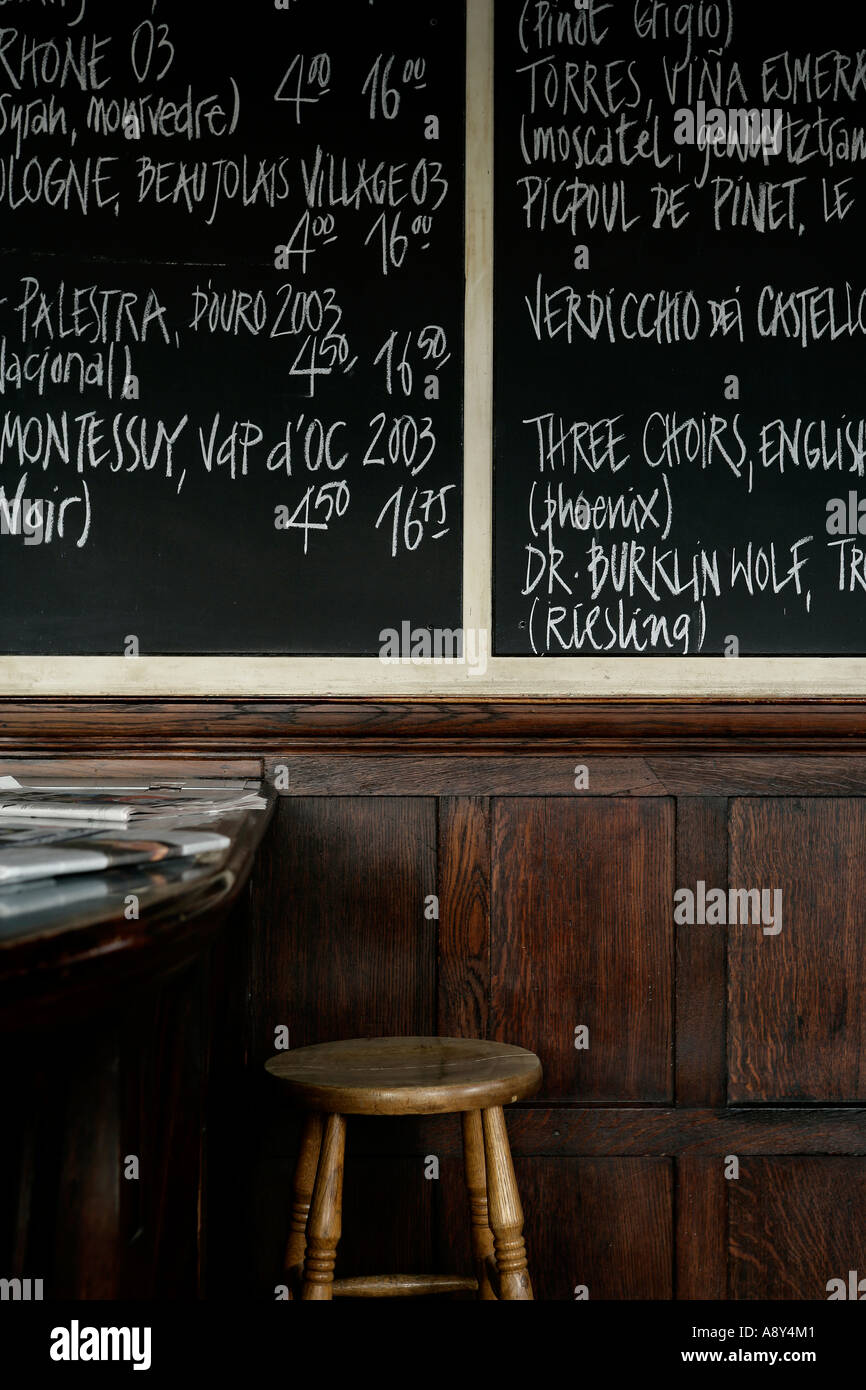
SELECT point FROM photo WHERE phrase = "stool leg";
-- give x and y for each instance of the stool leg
(476, 1184)
(305, 1178)
(506, 1213)
(323, 1231)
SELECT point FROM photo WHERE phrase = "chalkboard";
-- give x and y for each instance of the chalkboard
(680, 329)
(231, 325)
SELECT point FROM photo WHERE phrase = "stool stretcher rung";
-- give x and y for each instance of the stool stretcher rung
(402, 1285)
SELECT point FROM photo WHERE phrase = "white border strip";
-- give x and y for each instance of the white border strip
(478, 335)
(505, 677)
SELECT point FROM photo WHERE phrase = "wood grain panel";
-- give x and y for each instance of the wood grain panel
(544, 773)
(426, 775)
(399, 1238)
(607, 1130)
(779, 775)
(255, 727)
(794, 1224)
(603, 1223)
(582, 934)
(339, 941)
(464, 917)
(702, 854)
(87, 1244)
(701, 1227)
(797, 1000)
(390, 1214)
(163, 1078)
(138, 768)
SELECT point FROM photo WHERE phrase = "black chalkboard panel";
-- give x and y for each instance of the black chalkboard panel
(680, 329)
(231, 318)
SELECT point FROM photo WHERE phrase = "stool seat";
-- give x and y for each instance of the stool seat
(407, 1076)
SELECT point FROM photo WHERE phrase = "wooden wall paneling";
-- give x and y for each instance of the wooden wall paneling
(464, 917)
(340, 943)
(701, 1227)
(769, 775)
(701, 956)
(226, 1217)
(632, 1131)
(83, 1098)
(453, 1239)
(582, 934)
(552, 774)
(602, 1130)
(87, 1245)
(164, 1064)
(612, 1230)
(426, 775)
(794, 1224)
(31, 1157)
(389, 1214)
(548, 898)
(178, 1078)
(155, 767)
(797, 1006)
(339, 946)
(255, 727)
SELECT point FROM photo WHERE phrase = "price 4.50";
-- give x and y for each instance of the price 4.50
(423, 516)
(316, 510)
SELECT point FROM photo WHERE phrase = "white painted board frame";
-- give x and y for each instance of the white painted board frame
(504, 677)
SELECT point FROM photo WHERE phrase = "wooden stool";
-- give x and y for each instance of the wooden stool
(408, 1076)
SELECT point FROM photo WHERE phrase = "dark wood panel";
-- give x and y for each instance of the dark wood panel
(270, 725)
(567, 1131)
(163, 1078)
(88, 1216)
(543, 772)
(797, 1008)
(464, 917)
(388, 1223)
(777, 775)
(612, 1230)
(701, 1063)
(582, 935)
(332, 940)
(392, 1213)
(340, 943)
(389, 1216)
(552, 774)
(83, 1100)
(416, 775)
(335, 944)
(794, 1224)
(154, 767)
(701, 1228)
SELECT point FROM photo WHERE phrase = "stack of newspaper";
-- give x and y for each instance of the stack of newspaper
(53, 828)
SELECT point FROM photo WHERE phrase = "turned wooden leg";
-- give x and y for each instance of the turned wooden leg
(506, 1213)
(323, 1227)
(476, 1183)
(305, 1178)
